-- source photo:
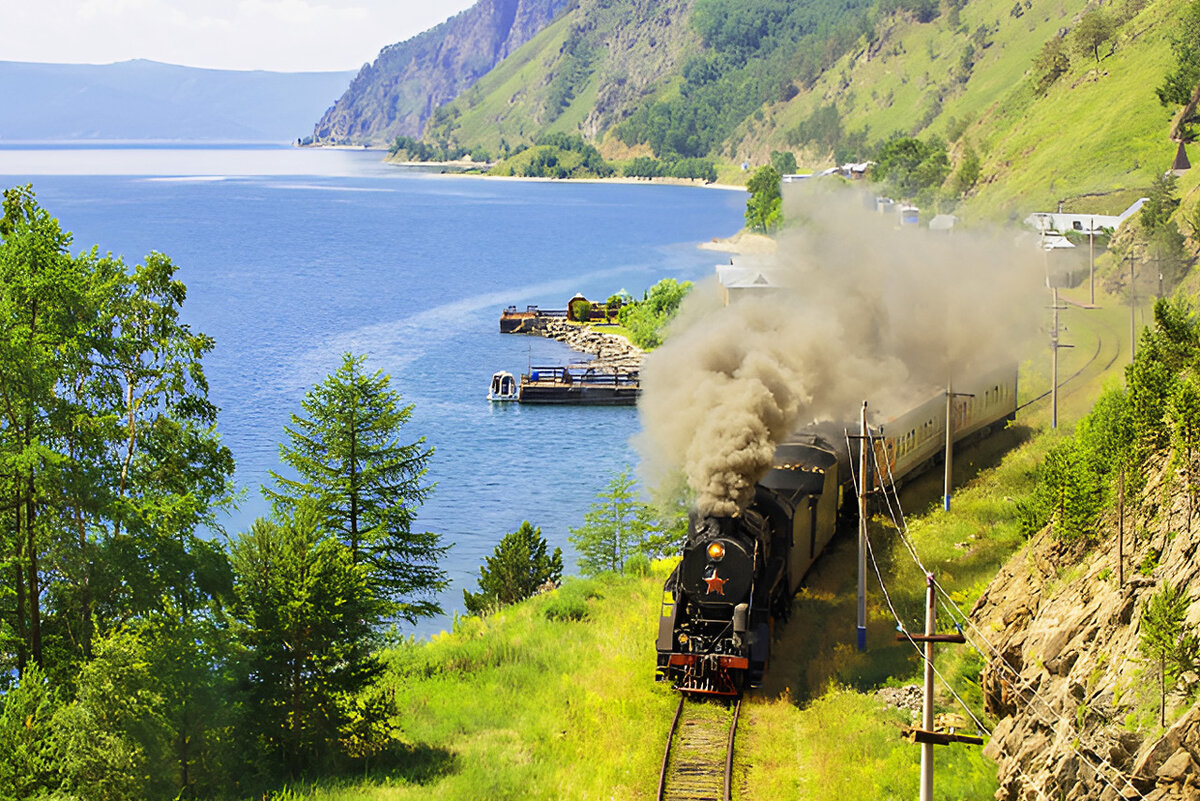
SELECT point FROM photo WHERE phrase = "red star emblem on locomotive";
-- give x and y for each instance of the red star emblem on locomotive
(715, 584)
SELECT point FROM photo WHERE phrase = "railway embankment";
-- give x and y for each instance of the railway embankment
(1078, 698)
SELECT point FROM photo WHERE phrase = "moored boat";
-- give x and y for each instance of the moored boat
(504, 387)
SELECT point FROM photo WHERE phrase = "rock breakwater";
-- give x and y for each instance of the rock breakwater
(613, 352)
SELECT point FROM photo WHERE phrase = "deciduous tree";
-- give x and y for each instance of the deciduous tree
(1094, 29)
(764, 206)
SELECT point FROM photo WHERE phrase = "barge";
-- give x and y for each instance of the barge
(579, 384)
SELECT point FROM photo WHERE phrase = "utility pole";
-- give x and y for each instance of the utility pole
(1132, 311)
(863, 443)
(949, 459)
(1121, 528)
(1092, 261)
(927, 702)
(925, 735)
(1054, 346)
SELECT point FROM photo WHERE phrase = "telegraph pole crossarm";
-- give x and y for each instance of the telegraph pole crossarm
(925, 735)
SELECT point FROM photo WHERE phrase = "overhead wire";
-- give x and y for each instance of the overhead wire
(948, 603)
(900, 627)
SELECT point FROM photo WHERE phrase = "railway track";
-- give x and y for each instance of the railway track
(698, 761)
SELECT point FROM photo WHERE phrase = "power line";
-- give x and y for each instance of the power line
(1023, 685)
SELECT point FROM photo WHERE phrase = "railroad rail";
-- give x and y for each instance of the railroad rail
(698, 762)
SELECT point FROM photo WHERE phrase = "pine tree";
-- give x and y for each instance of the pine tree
(515, 570)
(1168, 641)
(307, 612)
(365, 483)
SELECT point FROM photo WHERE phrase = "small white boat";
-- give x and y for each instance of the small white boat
(504, 387)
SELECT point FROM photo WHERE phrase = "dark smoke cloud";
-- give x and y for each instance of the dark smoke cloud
(863, 311)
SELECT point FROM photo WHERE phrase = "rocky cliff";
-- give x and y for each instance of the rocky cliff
(397, 93)
(1077, 702)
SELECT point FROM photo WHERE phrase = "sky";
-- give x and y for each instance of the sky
(282, 35)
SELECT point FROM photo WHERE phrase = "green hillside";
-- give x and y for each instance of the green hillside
(833, 83)
(1098, 129)
(580, 74)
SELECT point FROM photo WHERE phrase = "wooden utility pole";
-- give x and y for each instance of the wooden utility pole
(863, 443)
(1092, 261)
(1132, 312)
(949, 459)
(1121, 527)
(1054, 346)
(927, 702)
(926, 735)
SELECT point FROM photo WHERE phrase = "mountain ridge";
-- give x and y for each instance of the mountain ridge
(395, 95)
(144, 100)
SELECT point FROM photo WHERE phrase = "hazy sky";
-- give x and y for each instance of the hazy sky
(287, 35)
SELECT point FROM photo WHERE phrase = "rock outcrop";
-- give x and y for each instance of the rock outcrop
(1077, 703)
(396, 94)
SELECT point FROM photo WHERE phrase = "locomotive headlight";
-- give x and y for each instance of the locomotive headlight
(683, 638)
(716, 551)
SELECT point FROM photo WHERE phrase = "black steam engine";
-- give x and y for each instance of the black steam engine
(738, 574)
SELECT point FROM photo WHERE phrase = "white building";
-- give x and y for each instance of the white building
(1047, 222)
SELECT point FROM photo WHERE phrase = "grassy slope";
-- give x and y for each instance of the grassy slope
(506, 103)
(519, 706)
(1098, 129)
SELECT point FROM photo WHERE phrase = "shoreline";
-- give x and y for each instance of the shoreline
(614, 180)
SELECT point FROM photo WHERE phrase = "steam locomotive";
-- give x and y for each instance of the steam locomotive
(738, 574)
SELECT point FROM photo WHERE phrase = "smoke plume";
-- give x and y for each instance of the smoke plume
(861, 311)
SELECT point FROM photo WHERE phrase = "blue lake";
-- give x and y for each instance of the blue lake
(293, 257)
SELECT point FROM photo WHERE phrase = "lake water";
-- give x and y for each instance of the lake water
(293, 257)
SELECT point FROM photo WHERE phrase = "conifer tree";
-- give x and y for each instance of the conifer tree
(515, 570)
(1167, 641)
(613, 529)
(365, 483)
(307, 612)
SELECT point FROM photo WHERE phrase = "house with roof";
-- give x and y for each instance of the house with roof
(1047, 222)
(747, 274)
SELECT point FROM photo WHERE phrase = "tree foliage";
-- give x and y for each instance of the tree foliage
(908, 166)
(764, 207)
(109, 458)
(691, 168)
(516, 569)
(1167, 642)
(1181, 82)
(646, 319)
(620, 527)
(1051, 63)
(1094, 29)
(784, 162)
(755, 52)
(1153, 411)
(364, 483)
(309, 610)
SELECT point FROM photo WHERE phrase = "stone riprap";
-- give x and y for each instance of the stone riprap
(1077, 703)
